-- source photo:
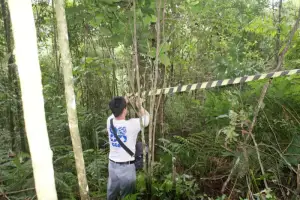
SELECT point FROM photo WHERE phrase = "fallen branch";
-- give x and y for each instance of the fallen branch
(213, 178)
(231, 173)
(298, 180)
(16, 192)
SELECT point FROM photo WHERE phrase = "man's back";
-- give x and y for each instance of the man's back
(127, 131)
(121, 168)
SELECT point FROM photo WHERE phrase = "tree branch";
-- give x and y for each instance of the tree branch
(264, 90)
(154, 85)
(161, 94)
(287, 46)
(136, 62)
(231, 173)
(16, 192)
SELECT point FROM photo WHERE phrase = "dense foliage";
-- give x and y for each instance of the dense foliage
(202, 136)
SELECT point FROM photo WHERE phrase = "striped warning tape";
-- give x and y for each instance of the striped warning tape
(218, 83)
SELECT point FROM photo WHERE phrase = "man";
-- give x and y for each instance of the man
(121, 168)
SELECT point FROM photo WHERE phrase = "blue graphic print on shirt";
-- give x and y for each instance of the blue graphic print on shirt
(122, 135)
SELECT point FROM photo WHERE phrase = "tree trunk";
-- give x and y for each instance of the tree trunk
(153, 88)
(277, 44)
(55, 51)
(6, 20)
(13, 85)
(20, 119)
(138, 81)
(32, 97)
(159, 108)
(70, 97)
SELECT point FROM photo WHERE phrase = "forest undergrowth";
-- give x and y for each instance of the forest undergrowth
(203, 139)
(207, 144)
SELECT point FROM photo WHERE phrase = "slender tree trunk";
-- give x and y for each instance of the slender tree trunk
(278, 32)
(115, 87)
(171, 78)
(159, 108)
(54, 43)
(32, 97)
(13, 84)
(136, 63)
(154, 86)
(6, 20)
(70, 97)
(20, 119)
(114, 74)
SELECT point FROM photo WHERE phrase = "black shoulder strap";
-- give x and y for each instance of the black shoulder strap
(119, 140)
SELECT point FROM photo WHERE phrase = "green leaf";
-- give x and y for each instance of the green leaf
(193, 3)
(99, 18)
(164, 47)
(152, 52)
(105, 31)
(89, 60)
(164, 59)
(149, 18)
(195, 9)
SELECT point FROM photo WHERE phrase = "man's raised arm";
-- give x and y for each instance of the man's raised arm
(143, 113)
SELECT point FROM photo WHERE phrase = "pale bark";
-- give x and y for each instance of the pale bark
(136, 62)
(154, 86)
(54, 43)
(277, 44)
(32, 97)
(70, 97)
(160, 98)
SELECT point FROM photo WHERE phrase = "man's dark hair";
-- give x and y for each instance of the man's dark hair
(117, 105)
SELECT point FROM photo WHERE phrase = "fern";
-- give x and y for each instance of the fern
(66, 184)
(13, 169)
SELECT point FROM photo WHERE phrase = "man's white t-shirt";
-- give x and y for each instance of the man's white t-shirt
(127, 131)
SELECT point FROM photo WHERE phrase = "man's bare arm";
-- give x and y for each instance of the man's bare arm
(142, 112)
(138, 104)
